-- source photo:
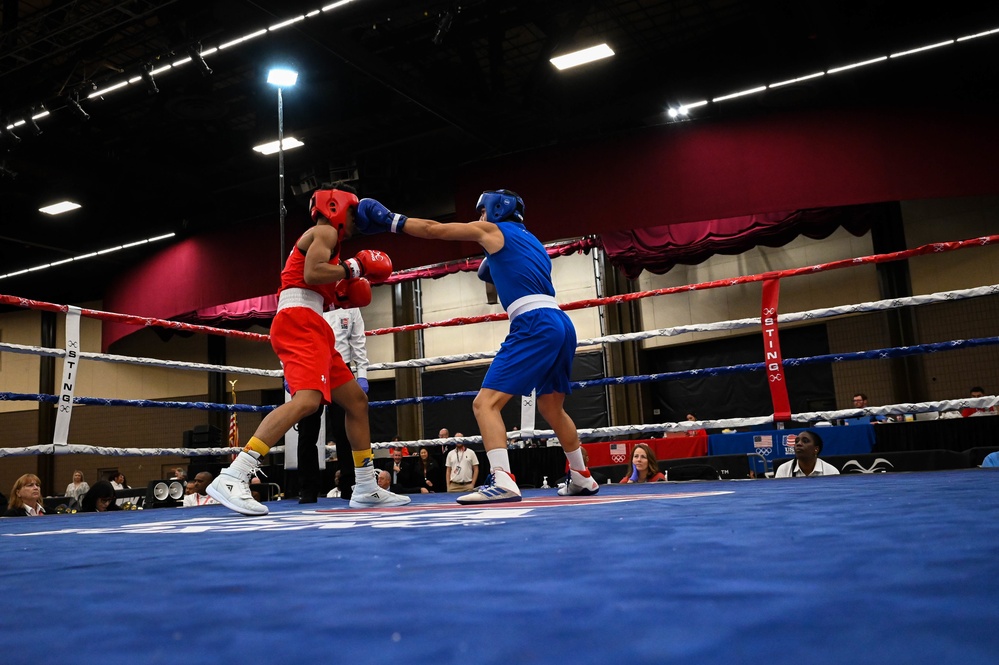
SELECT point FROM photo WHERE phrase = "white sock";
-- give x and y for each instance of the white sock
(499, 458)
(364, 475)
(576, 459)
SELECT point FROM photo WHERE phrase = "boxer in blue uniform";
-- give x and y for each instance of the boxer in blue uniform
(537, 352)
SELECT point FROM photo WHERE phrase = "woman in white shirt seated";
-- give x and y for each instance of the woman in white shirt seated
(76, 489)
(806, 462)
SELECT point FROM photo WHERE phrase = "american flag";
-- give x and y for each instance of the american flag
(618, 452)
(233, 426)
(233, 431)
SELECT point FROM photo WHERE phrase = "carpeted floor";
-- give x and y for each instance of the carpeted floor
(887, 568)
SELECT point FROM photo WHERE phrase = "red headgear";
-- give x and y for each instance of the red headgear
(333, 204)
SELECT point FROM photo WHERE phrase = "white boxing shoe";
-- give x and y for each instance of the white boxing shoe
(232, 487)
(377, 497)
(580, 484)
(500, 487)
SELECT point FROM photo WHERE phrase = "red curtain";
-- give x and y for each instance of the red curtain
(659, 248)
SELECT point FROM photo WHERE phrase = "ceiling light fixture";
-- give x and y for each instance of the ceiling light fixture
(282, 78)
(582, 57)
(8, 139)
(864, 63)
(59, 208)
(272, 147)
(147, 76)
(922, 48)
(73, 105)
(285, 24)
(741, 93)
(337, 4)
(796, 80)
(194, 50)
(86, 256)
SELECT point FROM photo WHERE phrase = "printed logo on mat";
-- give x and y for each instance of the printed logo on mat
(402, 517)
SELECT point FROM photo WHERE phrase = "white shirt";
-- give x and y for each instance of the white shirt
(461, 464)
(77, 491)
(821, 469)
(196, 499)
(348, 328)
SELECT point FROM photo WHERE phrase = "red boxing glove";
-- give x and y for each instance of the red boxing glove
(370, 263)
(352, 293)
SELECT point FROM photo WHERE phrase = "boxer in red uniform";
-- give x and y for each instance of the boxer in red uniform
(314, 278)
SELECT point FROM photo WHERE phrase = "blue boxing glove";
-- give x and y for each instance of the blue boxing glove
(361, 381)
(484, 272)
(634, 474)
(372, 217)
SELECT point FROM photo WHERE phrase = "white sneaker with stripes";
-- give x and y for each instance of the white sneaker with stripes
(500, 487)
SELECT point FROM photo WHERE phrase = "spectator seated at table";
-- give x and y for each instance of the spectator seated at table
(860, 402)
(644, 467)
(806, 462)
(970, 411)
(691, 418)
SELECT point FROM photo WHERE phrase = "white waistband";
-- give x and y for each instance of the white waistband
(296, 297)
(527, 303)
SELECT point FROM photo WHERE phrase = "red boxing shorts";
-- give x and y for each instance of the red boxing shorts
(306, 346)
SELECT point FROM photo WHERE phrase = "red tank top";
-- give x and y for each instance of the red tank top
(293, 275)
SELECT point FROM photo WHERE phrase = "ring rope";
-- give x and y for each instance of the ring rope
(871, 354)
(107, 401)
(144, 321)
(883, 353)
(145, 362)
(932, 248)
(590, 433)
(734, 324)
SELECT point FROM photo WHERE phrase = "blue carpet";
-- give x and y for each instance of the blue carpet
(885, 568)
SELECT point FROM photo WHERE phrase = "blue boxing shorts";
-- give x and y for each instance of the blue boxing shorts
(536, 355)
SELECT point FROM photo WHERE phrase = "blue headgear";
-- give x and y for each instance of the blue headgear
(501, 205)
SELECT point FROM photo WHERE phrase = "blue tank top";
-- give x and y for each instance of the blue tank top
(522, 267)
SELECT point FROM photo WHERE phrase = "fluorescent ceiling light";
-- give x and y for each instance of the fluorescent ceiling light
(59, 208)
(977, 35)
(272, 147)
(582, 57)
(87, 256)
(797, 80)
(282, 78)
(741, 93)
(857, 64)
(921, 48)
(285, 24)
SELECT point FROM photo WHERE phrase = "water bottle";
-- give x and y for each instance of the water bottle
(544, 483)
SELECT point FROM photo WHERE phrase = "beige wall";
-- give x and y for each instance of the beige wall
(827, 289)
(464, 295)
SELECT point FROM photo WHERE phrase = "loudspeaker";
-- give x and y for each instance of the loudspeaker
(163, 493)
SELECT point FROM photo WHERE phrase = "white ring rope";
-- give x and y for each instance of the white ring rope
(734, 324)
(808, 417)
(146, 362)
